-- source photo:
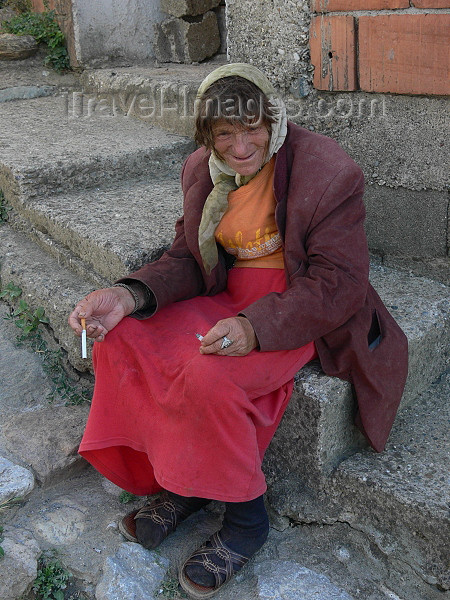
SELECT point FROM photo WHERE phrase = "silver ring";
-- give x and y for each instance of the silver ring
(226, 342)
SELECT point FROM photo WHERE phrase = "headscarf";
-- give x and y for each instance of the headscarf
(225, 179)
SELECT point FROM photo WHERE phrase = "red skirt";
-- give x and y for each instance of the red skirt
(165, 416)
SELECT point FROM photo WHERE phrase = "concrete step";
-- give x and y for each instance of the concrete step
(65, 513)
(44, 283)
(299, 563)
(45, 152)
(436, 268)
(163, 96)
(398, 499)
(106, 232)
(322, 407)
(30, 78)
(360, 559)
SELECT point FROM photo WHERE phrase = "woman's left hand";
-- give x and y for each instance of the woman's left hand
(237, 329)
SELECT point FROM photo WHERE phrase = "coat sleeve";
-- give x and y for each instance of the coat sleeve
(331, 284)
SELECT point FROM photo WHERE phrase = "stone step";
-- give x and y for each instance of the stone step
(44, 151)
(436, 268)
(354, 558)
(322, 407)
(163, 96)
(398, 498)
(39, 437)
(316, 433)
(44, 283)
(320, 563)
(104, 233)
(30, 78)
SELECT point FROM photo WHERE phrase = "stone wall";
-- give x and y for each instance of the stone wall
(107, 33)
(273, 35)
(190, 34)
(400, 140)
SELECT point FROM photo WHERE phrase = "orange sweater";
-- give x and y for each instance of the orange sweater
(248, 229)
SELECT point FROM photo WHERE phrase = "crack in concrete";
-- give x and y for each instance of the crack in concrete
(371, 539)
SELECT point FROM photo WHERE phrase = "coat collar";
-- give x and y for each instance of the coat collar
(283, 165)
(280, 185)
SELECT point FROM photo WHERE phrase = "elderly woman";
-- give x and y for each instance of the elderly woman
(268, 270)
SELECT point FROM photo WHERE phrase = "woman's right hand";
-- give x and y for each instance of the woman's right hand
(103, 310)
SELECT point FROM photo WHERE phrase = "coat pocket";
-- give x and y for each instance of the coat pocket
(375, 336)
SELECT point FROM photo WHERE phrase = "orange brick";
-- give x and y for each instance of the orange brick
(63, 9)
(333, 54)
(431, 3)
(337, 5)
(38, 5)
(404, 54)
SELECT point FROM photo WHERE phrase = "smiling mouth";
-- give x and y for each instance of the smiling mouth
(239, 159)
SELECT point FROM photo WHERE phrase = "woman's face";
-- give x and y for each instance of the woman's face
(242, 148)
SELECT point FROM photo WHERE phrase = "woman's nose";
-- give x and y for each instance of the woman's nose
(240, 144)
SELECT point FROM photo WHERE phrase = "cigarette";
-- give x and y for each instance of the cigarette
(83, 339)
(199, 336)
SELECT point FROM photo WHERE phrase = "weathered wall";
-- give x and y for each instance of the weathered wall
(106, 32)
(190, 34)
(273, 35)
(114, 31)
(401, 141)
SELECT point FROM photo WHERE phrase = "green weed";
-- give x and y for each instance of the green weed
(27, 320)
(10, 292)
(170, 590)
(45, 29)
(11, 502)
(126, 497)
(52, 578)
(4, 208)
(2, 552)
(62, 386)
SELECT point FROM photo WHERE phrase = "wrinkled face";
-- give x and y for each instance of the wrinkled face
(242, 148)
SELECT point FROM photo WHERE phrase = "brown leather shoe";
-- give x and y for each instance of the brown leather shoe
(151, 524)
(127, 526)
(217, 558)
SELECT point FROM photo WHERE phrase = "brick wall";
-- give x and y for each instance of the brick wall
(396, 46)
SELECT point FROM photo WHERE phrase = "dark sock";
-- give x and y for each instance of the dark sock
(244, 530)
(191, 504)
(151, 534)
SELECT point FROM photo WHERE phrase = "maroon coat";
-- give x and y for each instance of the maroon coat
(320, 213)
